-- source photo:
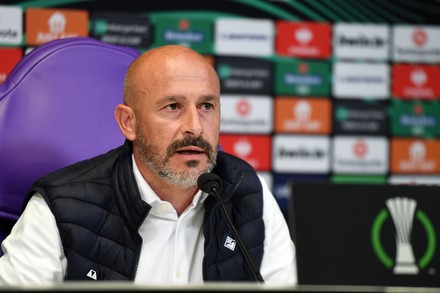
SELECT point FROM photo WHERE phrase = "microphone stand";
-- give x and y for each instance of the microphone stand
(237, 236)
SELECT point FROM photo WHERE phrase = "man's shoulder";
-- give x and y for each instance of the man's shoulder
(233, 161)
(231, 168)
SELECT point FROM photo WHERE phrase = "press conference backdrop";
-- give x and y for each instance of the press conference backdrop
(312, 91)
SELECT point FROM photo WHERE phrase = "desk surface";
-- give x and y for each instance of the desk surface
(214, 287)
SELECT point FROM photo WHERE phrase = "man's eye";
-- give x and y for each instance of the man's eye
(208, 106)
(172, 106)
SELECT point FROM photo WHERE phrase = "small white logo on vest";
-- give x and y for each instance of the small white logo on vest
(92, 275)
(230, 243)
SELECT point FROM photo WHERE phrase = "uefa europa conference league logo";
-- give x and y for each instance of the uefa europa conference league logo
(403, 213)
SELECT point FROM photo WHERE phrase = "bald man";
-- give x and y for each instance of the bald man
(136, 213)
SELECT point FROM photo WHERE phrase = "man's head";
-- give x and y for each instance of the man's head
(171, 113)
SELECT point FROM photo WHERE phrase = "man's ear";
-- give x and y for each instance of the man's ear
(126, 120)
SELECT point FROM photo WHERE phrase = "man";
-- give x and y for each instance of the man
(136, 212)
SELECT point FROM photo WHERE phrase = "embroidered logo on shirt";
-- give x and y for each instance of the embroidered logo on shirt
(230, 243)
(92, 275)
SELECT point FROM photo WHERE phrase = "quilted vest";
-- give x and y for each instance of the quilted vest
(98, 210)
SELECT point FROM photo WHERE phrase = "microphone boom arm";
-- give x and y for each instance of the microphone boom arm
(213, 191)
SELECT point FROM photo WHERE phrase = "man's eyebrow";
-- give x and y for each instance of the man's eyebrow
(208, 97)
(177, 98)
(168, 99)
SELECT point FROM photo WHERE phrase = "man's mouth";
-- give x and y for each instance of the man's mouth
(190, 151)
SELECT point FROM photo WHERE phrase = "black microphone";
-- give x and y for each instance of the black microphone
(212, 184)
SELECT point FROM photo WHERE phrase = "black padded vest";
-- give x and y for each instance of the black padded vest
(98, 210)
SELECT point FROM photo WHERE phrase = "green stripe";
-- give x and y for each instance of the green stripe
(310, 13)
(432, 242)
(190, 14)
(269, 8)
(318, 6)
(359, 179)
(375, 239)
(341, 12)
(372, 14)
(47, 3)
(353, 11)
(388, 16)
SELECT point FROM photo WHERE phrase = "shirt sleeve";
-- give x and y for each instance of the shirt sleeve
(33, 253)
(279, 260)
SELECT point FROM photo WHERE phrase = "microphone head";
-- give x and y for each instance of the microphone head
(209, 181)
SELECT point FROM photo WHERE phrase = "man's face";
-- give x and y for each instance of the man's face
(178, 125)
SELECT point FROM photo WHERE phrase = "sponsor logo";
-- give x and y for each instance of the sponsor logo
(357, 80)
(123, 29)
(44, 25)
(404, 213)
(92, 274)
(303, 115)
(360, 148)
(180, 37)
(304, 154)
(416, 81)
(310, 78)
(360, 155)
(358, 117)
(11, 25)
(189, 32)
(357, 41)
(9, 57)
(416, 43)
(417, 159)
(246, 114)
(254, 149)
(301, 39)
(230, 243)
(361, 41)
(244, 75)
(253, 38)
(415, 119)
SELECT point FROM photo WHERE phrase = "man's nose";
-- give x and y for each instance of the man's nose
(192, 124)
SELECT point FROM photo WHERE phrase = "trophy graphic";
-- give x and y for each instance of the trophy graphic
(402, 212)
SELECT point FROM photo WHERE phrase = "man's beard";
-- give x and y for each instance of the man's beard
(149, 154)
